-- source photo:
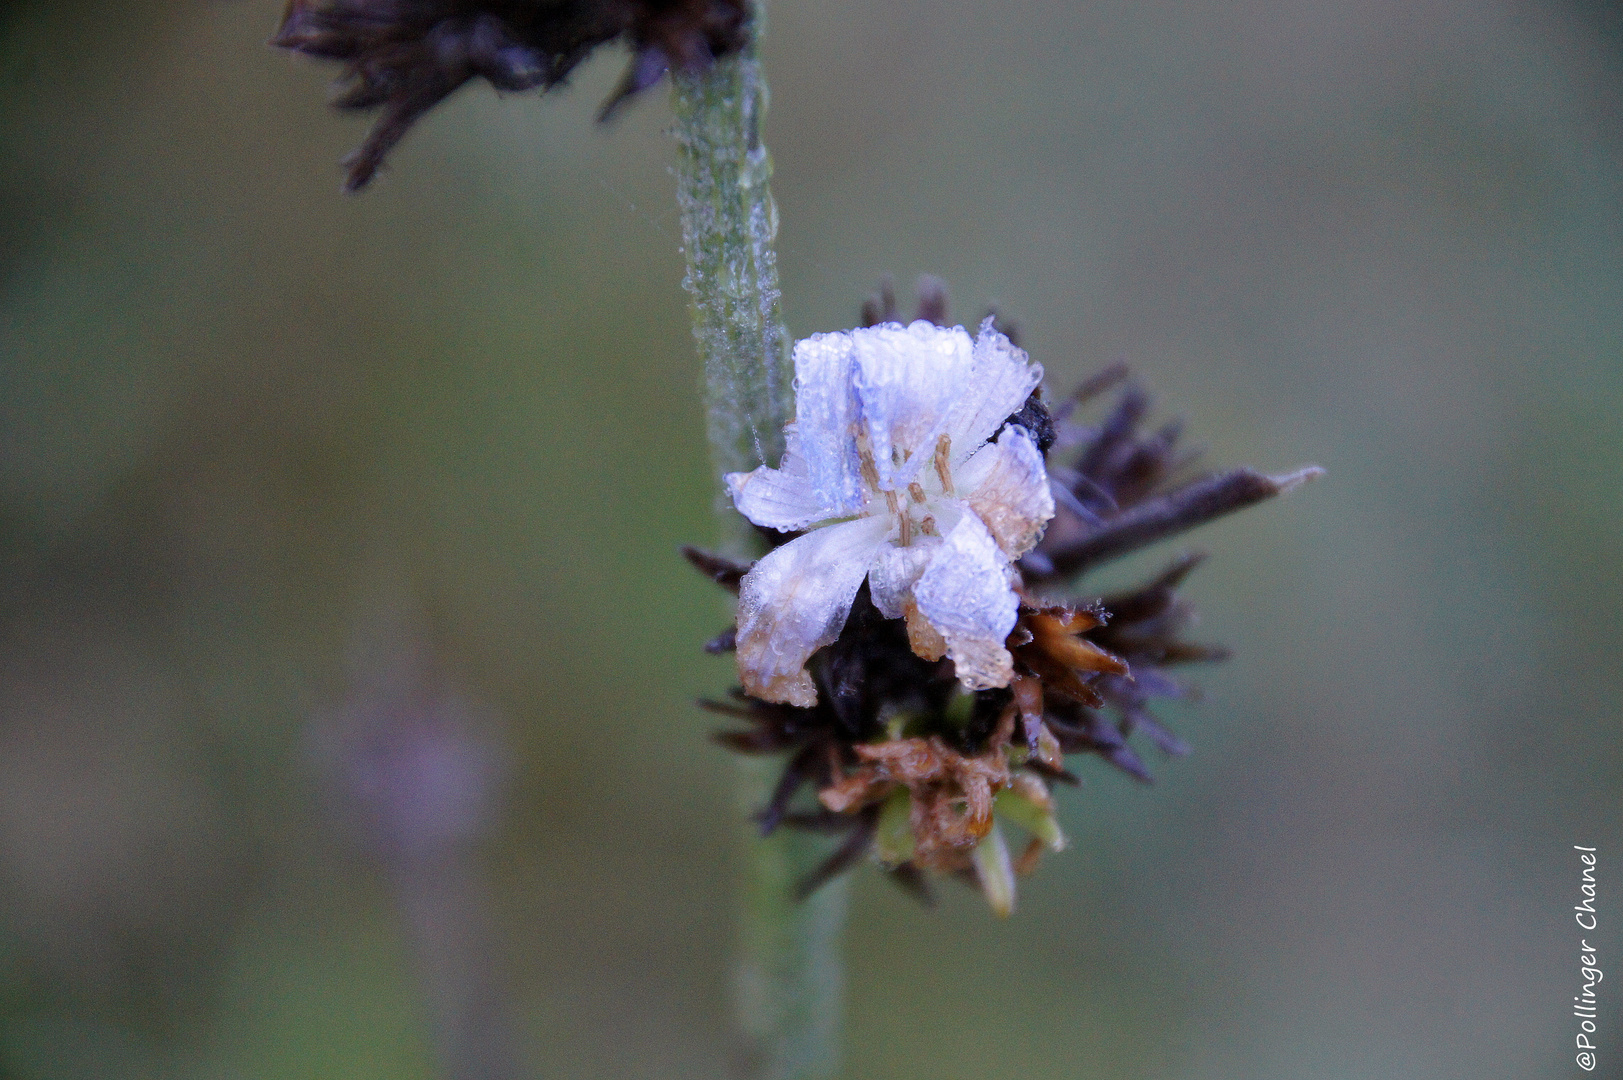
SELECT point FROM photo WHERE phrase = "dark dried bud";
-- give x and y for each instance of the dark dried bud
(406, 56)
(1035, 418)
(1124, 489)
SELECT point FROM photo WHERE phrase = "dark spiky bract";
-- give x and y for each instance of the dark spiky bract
(906, 765)
(403, 57)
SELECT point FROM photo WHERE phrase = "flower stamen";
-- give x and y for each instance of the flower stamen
(865, 461)
(895, 503)
(943, 452)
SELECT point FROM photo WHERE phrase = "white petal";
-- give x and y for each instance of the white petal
(784, 498)
(1002, 377)
(895, 570)
(795, 601)
(1006, 484)
(826, 414)
(966, 596)
(907, 379)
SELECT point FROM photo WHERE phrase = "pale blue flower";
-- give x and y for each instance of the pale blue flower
(896, 466)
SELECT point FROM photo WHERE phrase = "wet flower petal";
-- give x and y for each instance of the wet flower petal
(965, 595)
(895, 571)
(908, 379)
(795, 601)
(1007, 487)
(1003, 376)
(826, 414)
(785, 499)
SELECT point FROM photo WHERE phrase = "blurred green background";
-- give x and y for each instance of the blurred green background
(264, 449)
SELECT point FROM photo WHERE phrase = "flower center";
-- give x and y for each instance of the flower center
(917, 497)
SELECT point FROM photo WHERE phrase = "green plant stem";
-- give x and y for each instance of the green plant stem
(787, 980)
(788, 977)
(729, 222)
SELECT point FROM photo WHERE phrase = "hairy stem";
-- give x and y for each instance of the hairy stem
(788, 982)
(729, 222)
(787, 979)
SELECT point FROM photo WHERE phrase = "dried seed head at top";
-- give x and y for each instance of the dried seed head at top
(406, 56)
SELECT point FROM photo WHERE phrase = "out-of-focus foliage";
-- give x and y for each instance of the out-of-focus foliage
(244, 419)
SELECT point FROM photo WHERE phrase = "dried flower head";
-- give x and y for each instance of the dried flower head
(921, 734)
(406, 56)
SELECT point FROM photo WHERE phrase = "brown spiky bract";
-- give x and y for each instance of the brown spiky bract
(403, 57)
(1086, 667)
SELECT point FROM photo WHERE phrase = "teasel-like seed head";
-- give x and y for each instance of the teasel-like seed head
(403, 57)
(908, 764)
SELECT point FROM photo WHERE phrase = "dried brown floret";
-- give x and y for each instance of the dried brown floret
(1048, 643)
(406, 56)
(950, 793)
